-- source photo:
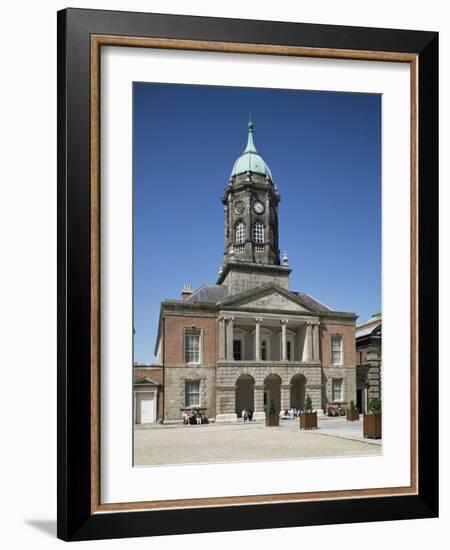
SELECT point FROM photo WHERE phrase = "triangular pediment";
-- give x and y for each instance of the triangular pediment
(274, 300)
(146, 381)
(270, 297)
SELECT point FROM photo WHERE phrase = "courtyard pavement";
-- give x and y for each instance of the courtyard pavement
(178, 444)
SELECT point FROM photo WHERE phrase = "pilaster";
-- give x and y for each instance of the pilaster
(230, 334)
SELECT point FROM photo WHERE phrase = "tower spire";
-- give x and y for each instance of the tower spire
(250, 143)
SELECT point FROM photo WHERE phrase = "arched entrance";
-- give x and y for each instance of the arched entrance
(244, 394)
(298, 384)
(272, 392)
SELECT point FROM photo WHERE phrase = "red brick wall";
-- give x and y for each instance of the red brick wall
(348, 333)
(174, 327)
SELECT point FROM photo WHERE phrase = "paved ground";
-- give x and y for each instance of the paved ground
(247, 442)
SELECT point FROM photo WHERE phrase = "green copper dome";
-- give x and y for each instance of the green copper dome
(250, 160)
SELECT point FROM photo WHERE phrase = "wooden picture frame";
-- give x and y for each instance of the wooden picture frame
(81, 35)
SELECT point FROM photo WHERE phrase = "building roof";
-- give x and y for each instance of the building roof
(250, 160)
(208, 293)
(364, 329)
(309, 300)
(216, 293)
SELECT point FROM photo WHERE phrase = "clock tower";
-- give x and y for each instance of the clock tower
(250, 200)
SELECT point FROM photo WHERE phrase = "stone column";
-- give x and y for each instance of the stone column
(259, 413)
(283, 340)
(230, 329)
(221, 337)
(316, 340)
(285, 397)
(258, 339)
(308, 347)
(311, 343)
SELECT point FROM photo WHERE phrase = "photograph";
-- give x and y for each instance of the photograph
(257, 295)
(224, 248)
(247, 274)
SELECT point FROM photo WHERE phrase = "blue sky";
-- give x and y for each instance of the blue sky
(324, 151)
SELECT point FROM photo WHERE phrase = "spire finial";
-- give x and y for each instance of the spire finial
(250, 144)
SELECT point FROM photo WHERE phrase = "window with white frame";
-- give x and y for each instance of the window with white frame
(258, 233)
(337, 389)
(192, 397)
(240, 233)
(192, 346)
(337, 349)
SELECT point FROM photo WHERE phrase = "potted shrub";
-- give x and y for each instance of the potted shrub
(352, 412)
(272, 417)
(308, 418)
(372, 421)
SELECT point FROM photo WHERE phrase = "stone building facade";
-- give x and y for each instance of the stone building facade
(368, 357)
(248, 340)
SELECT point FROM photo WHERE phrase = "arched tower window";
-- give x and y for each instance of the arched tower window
(258, 233)
(240, 233)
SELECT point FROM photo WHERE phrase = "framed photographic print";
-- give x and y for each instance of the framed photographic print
(247, 274)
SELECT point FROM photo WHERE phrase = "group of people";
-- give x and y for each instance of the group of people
(335, 410)
(289, 414)
(194, 417)
(247, 415)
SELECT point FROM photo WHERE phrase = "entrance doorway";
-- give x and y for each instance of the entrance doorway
(361, 399)
(244, 394)
(298, 384)
(272, 392)
(145, 408)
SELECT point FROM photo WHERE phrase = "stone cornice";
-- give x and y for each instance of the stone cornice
(248, 267)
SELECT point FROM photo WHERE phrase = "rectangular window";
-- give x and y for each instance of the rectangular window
(264, 350)
(337, 389)
(288, 350)
(192, 346)
(237, 350)
(192, 393)
(336, 349)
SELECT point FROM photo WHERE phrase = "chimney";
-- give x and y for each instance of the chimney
(187, 291)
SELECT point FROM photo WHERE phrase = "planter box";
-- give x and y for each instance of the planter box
(352, 415)
(372, 426)
(308, 420)
(272, 419)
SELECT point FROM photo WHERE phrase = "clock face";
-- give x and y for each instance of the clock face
(258, 207)
(239, 208)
